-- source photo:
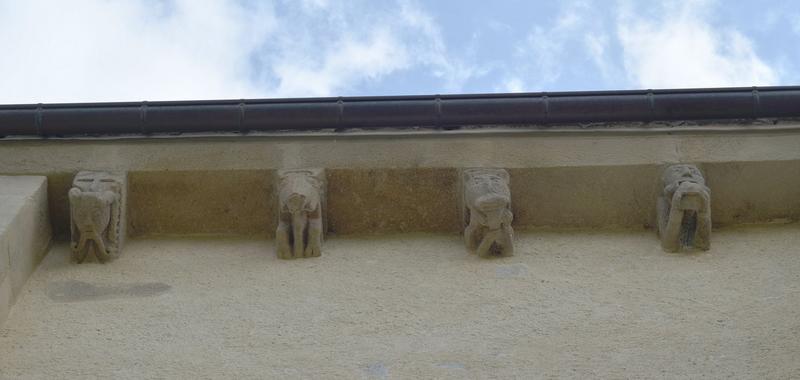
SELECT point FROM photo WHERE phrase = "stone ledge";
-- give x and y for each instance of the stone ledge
(407, 183)
(398, 200)
(337, 151)
(25, 234)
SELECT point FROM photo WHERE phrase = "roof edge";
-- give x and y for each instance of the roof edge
(376, 112)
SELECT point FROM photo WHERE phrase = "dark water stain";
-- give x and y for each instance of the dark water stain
(79, 291)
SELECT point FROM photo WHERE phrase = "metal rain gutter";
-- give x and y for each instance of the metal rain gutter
(301, 114)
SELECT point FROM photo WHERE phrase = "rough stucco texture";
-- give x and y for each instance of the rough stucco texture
(572, 304)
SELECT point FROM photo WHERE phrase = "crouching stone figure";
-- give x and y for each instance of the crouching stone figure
(684, 209)
(487, 212)
(97, 215)
(301, 197)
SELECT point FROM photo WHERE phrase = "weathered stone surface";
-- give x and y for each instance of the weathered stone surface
(175, 189)
(6, 298)
(684, 209)
(387, 201)
(301, 203)
(202, 202)
(486, 204)
(97, 214)
(25, 234)
(584, 197)
(774, 197)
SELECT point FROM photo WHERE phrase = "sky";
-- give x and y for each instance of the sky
(133, 50)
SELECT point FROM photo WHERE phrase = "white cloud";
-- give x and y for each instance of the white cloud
(97, 50)
(512, 84)
(346, 62)
(597, 47)
(432, 51)
(545, 47)
(546, 51)
(57, 51)
(682, 49)
(92, 51)
(356, 43)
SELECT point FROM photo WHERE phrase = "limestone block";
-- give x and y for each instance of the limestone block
(6, 298)
(28, 234)
(301, 207)
(6, 294)
(684, 209)
(25, 234)
(5, 262)
(486, 206)
(98, 214)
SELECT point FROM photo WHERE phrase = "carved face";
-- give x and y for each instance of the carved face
(684, 186)
(297, 203)
(488, 197)
(677, 174)
(299, 193)
(94, 181)
(491, 210)
(489, 183)
(485, 184)
(91, 211)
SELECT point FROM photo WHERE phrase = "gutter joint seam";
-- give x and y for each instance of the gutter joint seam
(756, 103)
(37, 119)
(546, 101)
(241, 117)
(340, 116)
(143, 118)
(438, 105)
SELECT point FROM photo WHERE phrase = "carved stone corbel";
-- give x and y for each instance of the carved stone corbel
(486, 207)
(684, 209)
(301, 204)
(97, 214)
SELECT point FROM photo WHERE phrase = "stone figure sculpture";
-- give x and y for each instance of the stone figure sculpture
(301, 198)
(486, 206)
(97, 217)
(684, 209)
